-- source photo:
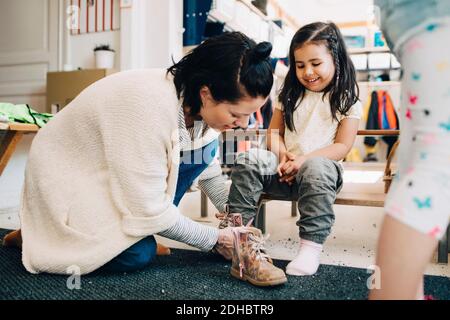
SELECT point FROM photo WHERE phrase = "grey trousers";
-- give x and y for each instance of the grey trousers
(316, 185)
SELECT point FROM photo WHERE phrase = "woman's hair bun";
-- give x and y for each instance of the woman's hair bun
(261, 51)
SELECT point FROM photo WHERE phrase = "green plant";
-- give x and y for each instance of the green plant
(104, 47)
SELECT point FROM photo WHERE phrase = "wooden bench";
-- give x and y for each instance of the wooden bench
(10, 135)
(353, 198)
(344, 198)
(365, 199)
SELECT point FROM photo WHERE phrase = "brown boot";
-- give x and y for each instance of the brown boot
(13, 239)
(250, 262)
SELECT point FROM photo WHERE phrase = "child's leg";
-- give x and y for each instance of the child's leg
(253, 173)
(417, 206)
(319, 180)
(402, 256)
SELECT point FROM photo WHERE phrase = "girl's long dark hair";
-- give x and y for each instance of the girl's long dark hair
(231, 65)
(343, 90)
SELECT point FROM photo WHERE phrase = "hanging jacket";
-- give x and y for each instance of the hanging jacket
(372, 119)
(381, 115)
(391, 122)
(390, 113)
(24, 114)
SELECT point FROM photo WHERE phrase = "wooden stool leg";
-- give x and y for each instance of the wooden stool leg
(203, 205)
(7, 147)
(448, 238)
(443, 249)
(294, 209)
(260, 219)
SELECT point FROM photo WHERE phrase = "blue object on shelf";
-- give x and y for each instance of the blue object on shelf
(379, 40)
(355, 41)
(194, 20)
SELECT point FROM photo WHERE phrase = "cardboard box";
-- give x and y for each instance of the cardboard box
(63, 87)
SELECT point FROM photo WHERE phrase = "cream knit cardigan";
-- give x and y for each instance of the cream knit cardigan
(102, 174)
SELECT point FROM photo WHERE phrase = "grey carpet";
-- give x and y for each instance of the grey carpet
(187, 275)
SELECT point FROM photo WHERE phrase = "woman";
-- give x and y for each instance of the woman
(105, 174)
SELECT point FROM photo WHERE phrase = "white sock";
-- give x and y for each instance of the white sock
(307, 261)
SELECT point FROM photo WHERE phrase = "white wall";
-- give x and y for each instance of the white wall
(28, 49)
(151, 33)
(82, 46)
(76, 50)
(306, 11)
(164, 32)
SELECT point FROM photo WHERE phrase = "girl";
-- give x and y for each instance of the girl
(418, 204)
(312, 129)
(105, 174)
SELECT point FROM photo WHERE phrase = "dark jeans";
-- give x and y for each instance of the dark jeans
(142, 253)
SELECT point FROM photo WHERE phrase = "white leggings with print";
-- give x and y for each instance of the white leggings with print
(420, 195)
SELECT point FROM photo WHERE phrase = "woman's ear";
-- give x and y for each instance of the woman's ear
(205, 93)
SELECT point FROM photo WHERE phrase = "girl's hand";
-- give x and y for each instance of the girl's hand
(284, 159)
(291, 169)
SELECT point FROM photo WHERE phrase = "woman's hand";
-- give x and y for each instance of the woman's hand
(291, 168)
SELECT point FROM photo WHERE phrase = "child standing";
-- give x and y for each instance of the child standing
(417, 208)
(313, 127)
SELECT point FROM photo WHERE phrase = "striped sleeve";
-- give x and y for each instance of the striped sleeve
(192, 233)
(216, 190)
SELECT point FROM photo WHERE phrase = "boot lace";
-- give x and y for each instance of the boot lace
(257, 246)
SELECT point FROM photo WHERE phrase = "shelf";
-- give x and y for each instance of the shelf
(284, 16)
(243, 16)
(373, 59)
(379, 83)
(217, 16)
(377, 69)
(368, 50)
(254, 9)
